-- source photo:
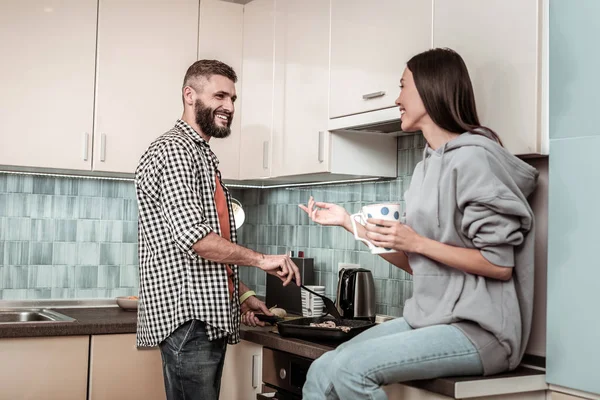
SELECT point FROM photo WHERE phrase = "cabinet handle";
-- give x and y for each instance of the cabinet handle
(321, 146)
(373, 95)
(255, 369)
(265, 155)
(103, 147)
(86, 144)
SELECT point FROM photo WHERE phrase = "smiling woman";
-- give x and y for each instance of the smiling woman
(465, 237)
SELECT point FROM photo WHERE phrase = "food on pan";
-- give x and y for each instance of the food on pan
(331, 325)
(279, 312)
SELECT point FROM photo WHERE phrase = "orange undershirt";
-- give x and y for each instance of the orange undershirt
(223, 212)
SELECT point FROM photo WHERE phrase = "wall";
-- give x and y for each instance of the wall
(67, 238)
(573, 267)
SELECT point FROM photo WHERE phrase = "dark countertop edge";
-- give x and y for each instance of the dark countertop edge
(88, 321)
(63, 329)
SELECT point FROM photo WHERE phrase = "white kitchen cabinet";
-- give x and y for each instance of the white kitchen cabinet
(44, 368)
(47, 82)
(242, 371)
(214, 15)
(144, 50)
(119, 370)
(301, 139)
(504, 61)
(371, 41)
(290, 102)
(257, 86)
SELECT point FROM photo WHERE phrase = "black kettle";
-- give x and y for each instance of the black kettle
(356, 294)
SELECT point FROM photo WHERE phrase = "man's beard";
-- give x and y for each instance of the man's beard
(205, 118)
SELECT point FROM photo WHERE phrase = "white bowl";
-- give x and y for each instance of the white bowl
(127, 303)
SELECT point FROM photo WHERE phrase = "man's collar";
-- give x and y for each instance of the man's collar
(187, 128)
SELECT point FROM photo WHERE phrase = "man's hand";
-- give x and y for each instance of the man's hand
(281, 266)
(249, 307)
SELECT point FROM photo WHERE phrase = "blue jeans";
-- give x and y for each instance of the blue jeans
(389, 353)
(192, 365)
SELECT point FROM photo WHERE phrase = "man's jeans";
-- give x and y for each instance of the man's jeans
(192, 365)
(389, 353)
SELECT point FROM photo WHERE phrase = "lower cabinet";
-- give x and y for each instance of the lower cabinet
(562, 396)
(403, 392)
(44, 368)
(242, 372)
(119, 370)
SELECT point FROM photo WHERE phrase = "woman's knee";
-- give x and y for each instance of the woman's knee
(318, 380)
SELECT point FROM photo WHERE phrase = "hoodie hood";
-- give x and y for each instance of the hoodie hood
(524, 175)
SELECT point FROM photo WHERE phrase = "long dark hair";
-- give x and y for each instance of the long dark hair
(443, 82)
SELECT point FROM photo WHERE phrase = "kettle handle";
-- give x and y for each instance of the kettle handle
(362, 221)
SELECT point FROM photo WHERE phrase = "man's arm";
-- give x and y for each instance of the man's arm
(214, 248)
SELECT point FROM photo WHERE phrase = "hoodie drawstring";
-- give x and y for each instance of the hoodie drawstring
(438, 185)
(439, 178)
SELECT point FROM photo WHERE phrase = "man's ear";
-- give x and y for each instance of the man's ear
(188, 95)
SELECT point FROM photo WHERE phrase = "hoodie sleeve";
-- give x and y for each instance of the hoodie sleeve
(495, 215)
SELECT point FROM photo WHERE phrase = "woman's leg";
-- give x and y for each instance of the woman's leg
(319, 384)
(359, 370)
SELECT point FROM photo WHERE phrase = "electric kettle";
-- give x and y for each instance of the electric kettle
(356, 294)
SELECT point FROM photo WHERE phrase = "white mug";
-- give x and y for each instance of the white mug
(388, 212)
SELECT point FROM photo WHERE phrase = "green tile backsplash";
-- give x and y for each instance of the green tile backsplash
(67, 237)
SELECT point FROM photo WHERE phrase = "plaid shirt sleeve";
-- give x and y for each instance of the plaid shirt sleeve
(181, 202)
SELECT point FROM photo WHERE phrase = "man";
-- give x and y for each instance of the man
(190, 295)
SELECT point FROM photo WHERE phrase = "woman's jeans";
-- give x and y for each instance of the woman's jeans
(389, 353)
(192, 365)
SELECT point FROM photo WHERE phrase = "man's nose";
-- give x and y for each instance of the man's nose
(228, 105)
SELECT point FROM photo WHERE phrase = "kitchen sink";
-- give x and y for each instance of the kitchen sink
(18, 316)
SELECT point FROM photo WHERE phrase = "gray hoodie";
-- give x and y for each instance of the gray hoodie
(473, 193)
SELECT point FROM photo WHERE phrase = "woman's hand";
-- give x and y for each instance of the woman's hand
(326, 213)
(393, 235)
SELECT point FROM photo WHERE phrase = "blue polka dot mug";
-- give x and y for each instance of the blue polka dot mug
(388, 211)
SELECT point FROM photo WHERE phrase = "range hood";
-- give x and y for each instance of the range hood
(382, 122)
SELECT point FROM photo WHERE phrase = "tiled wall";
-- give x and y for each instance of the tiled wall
(275, 225)
(67, 237)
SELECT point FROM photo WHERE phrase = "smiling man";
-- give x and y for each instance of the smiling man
(191, 298)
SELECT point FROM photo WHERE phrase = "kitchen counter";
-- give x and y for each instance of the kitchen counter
(526, 379)
(88, 321)
(114, 320)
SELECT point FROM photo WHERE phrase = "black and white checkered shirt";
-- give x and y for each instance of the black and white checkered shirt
(175, 185)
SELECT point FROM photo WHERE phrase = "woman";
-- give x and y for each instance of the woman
(467, 241)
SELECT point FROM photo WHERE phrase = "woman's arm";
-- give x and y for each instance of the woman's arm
(333, 215)
(402, 237)
(398, 259)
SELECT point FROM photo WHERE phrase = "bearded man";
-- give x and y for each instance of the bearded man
(191, 298)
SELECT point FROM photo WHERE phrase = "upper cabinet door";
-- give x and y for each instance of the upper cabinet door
(300, 137)
(47, 82)
(371, 41)
(257, 88)
(214, 16)
(144, 50)
(504, 63)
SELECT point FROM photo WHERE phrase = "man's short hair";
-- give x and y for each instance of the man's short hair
(208, 68)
